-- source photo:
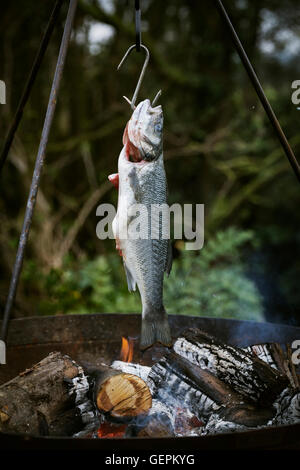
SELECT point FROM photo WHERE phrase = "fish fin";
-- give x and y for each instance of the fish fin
(155, 328)
(114, 179)
(169, 260)
(130, 279)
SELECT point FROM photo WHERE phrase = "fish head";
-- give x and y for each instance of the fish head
(143, 133)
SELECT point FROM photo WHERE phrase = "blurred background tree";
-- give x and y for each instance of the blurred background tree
(219, 150)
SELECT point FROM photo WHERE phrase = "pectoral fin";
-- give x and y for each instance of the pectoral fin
(130, 280)
(114, 179)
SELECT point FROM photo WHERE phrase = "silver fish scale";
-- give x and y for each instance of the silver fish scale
(146, 259)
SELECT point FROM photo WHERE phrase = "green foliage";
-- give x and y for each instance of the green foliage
(95, 286)
(213, 283)
(219, 150)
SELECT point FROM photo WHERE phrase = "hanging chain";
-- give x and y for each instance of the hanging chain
(138, 34)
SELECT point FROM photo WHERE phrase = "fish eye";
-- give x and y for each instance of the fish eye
(158, 127)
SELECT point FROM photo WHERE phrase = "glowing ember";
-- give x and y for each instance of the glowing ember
(126, 354)
(186, 423)
(108, 430)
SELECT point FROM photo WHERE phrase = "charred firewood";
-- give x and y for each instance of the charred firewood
(119, 395)
(276, 357)
(243, 372)
(280, 359)
(293, 376)
(131, 368)
(176, 379)
(217, 425)
(265, 353)
(287, 407)
(50, 398)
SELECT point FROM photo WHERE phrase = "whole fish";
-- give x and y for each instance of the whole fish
(141, 179)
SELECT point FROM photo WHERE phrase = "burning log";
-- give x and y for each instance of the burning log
(44, 400)
(245, 373)
(119, 394)
(176, 379)
(202, 387)
(58, 397)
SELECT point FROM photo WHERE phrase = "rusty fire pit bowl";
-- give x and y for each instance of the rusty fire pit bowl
(97, 338)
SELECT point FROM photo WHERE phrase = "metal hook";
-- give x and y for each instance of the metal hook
(132, 102)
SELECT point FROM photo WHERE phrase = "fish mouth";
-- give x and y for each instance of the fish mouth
(147, 108)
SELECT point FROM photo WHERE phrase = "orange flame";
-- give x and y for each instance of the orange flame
(126, 354)
(108, 430)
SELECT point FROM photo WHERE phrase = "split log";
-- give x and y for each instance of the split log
(176, 380)
(119, 395)
(244, 372)
(45, 399)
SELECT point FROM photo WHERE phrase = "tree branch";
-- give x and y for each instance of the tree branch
(82, 216)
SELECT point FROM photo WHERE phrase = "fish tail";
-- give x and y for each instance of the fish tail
(155, 328)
